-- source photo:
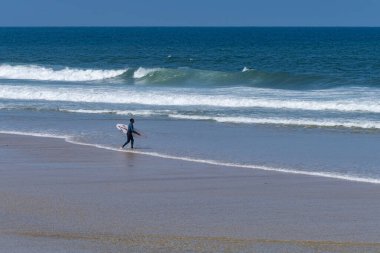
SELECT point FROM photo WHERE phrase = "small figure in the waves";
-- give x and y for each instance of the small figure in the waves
(130, 133)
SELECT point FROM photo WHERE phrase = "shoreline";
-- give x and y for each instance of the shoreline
(59, 195)
(328, 175)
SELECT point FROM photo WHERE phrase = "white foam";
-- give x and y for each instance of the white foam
(88, 111)
(33, 72)
(36, 134)
(331, 175)
(257, 167)
(143, 72)
(117, 112)
(173, 97)
(283, 121)
(245, 69)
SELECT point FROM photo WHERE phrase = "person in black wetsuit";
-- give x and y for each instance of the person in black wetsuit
(130, 132)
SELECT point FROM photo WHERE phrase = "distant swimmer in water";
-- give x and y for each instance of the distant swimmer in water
(130, 132)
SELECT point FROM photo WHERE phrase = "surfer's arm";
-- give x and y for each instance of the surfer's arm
(136, 132)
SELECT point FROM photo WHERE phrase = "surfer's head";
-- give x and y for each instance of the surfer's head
(132, 120)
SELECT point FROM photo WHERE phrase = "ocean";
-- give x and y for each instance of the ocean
(293, 100)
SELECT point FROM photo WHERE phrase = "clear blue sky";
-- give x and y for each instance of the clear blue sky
(190, 13)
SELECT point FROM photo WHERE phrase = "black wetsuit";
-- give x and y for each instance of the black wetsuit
(130, 135)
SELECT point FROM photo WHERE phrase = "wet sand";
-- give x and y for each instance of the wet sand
(60, 197)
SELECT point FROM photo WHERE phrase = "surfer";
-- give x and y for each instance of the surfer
(130, 132)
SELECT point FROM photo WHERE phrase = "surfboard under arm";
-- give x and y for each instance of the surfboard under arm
(122, 127)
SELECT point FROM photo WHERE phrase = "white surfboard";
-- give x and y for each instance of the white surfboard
(123, 128)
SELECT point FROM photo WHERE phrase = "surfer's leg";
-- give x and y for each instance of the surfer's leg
(125, 143)
(132, 141)
(128, 140)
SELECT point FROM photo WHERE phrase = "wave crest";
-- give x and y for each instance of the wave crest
(34, 72)
(181, 77)
(143, 72)
(246, 77)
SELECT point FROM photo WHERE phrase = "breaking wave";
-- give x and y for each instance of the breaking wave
(245, 77)
(34, 72)
(229, 98)
(181, 77)
(143, 72)
(162, 76)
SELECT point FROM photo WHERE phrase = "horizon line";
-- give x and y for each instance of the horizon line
(184, 26)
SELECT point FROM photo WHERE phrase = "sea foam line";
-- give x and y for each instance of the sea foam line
(184, 98)
(284, 121)
(301, 122)
(330, 175)
(34, 72)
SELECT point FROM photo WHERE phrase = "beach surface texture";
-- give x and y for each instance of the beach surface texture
(61, 197)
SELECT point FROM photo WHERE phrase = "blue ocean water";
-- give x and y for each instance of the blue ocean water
(290, 99)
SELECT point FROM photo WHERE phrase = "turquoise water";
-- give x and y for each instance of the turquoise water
(299, 99)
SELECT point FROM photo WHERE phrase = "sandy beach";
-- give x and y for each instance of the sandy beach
(60, 197)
